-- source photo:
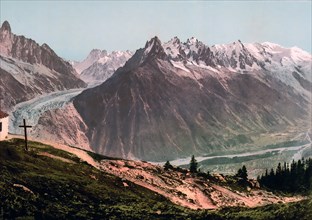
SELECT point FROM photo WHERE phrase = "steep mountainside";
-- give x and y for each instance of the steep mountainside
(62, 125)
(176, 99)
(100, 65)
(28, 69)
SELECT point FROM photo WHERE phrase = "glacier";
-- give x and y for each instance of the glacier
(31, 110)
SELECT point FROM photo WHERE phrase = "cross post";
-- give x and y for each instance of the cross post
(25, 131)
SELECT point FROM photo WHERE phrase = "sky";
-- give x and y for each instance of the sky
(73, 28)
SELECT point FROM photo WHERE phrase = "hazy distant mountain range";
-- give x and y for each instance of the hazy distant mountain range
(100, 65)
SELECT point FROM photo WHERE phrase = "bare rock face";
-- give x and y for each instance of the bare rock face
(6, 38)
(62, 126)
(179, 99)
(28, 69)
(27, 50)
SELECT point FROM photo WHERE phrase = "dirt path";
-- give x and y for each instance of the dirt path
(255, 199)
(55, 157)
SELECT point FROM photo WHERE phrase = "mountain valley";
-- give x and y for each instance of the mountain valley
(173, 101)
(157, 110)
(174, 130)
(166, 101)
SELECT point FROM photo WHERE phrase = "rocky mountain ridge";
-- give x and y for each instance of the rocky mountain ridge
(28, 69)
(176, 99)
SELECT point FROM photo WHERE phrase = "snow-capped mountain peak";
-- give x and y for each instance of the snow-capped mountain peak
(153, 46)
(270, 45)
(191, 41)
(93, 56)
(95, 52)
(100, 65)
(174, 42)
(172, 48)
(175, 87)
(236, 57)
(153, 49)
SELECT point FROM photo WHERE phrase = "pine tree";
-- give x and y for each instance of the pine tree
(167, 165)
(279, 169)
(308, 174)
(193, 165)
(209, 175)
(300, 174)
(278, 175)
(242, 173)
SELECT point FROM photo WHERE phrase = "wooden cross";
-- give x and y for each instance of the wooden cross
(25, 130)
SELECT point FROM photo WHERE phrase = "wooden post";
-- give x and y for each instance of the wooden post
(25, 132)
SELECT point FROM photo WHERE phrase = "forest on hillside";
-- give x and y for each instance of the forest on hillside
(295, 177)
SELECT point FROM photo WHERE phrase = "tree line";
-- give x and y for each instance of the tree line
(193, 168)
(293, 177)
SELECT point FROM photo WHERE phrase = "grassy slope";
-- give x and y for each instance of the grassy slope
(63, 190)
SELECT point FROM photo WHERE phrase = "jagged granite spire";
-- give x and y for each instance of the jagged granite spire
(153, 49)
(5, 27)
(6, 38)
